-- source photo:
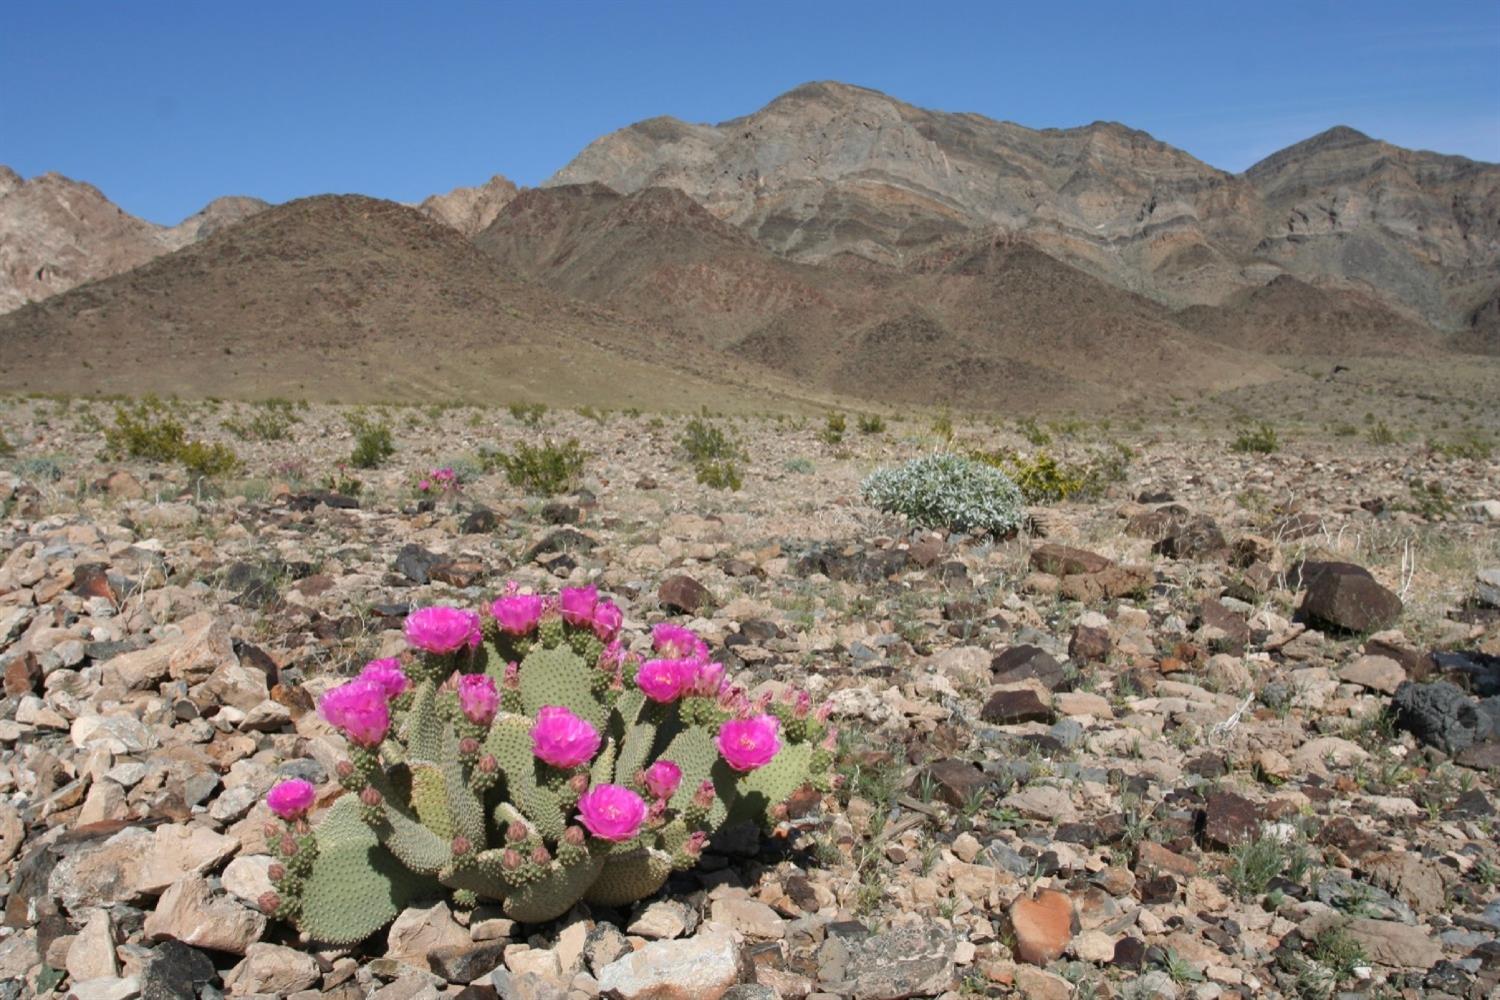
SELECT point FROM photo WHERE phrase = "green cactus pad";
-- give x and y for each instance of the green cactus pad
(636, 732)
(602, 770)
(694, 751)
(429, 799)
(424, 726)
(465, 808)
(559, 677)
(413, 843)
(555, 893)
(355, 887)
(510, 742)
(770, 785)
(629, 877)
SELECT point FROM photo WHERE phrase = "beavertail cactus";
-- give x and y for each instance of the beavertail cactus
(524, 756)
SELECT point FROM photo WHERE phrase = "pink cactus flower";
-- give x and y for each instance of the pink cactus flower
(677, 643)
(607, 620)
(662, 778)
(360, 709)
(388, 674)
(291, 799)
(562, 739)
(663, 680)
(442, 629)
(424, 486)
(517, 614)
(612, 812)
(708, 679)
(746, 744)
(577, 605)
(477, 698)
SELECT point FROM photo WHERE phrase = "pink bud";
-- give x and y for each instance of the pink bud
(468, 746)
(579, 783)
(289, 846)
(488, 764)
(370, 797)
(511, 860)
(276, 871)
(461, 845)
(539, 855)
(575, 836)
(516, 832)
(344, 769)
(269, 903)
(703, 798)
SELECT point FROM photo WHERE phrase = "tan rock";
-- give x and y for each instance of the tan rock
(1378, 673)
(749, 917)
(698, 968)
(189, 912)
(92, 953)
(272, 969)
(1038, 984)
(418, 931)
(200, 645)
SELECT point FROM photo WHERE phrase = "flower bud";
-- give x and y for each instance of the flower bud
(276, 871)
(269, 902)
(517, 832)
(511, 860)
(460, 845)
(288, 846)
(488, 764)
(344, 769)
(695, 843)
(371, 797)
(703, 798)
(468, 746)
(539, 856)
(575, 836)
(579, 783)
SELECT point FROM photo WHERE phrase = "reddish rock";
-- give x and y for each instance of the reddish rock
(1230, 819)
(684, 595)
(1089, 644)
(22, 675)
(958, 781)
(1060, 560)
(1020, 705)
(1347, 597)
(92, 580)
(1043, 927)
(1153, 857)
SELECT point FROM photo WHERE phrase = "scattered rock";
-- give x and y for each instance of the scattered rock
(698, 968)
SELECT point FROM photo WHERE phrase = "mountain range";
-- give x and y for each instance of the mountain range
(836, 241)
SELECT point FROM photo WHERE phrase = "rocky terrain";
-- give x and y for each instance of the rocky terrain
(1228, 728)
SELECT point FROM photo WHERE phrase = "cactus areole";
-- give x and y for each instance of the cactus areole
(541, 766)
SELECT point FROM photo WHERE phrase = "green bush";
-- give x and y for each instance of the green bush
(833, 429)
(271, 421)
(6, 448)
(714, 455)
(1381, 434)
(1258, 440)
(1043, 479)
(870, 423)
(528, 414)
(204, 460)
(1028, 428)
(1469, 447)
(372, 443)
(145, 430)
(944, 490)
(544, 470)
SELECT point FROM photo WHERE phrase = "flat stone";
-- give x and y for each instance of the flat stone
(1378, 673)
(273, 969)
(107, 988)
(1347, 597)
(418, 931)
(189, 912)
(663, 919)
(749, 917)
(1045, 802)
(1024, 662)
(684, 595)
(1399, 945)
(92, 953)
(201, 645)
(910, 961)
(1061, 560)
(1230, 819)
(699, 968)
(1015, 706)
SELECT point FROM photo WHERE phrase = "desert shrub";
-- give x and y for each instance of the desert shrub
(1470, 447)
(943, 426)
(1034, 434)
(546, 469)
(1258, 440)
(801, 466)
(555, 769)
(6, 448)
(1381, 434)
(342, 481)
(145, 430)
(528, 414)
(947, 490)
(373, 443)
(41, 468)
(1044, 479)
(203, 460)
(270, 420)
(597, 416)
(871, 423)
(833, 429)
(1429, 499)
(715, 456)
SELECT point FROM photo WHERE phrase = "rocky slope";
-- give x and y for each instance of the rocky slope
(1151, 754)
(470, 209)
(830, 169)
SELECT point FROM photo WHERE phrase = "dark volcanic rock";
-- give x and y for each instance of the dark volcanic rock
(416, 563)
(1060, 560)
(685, 595)
(1019, 663)
(1198, 538)
(1441, 715)
(175, 972)
(1010, 707)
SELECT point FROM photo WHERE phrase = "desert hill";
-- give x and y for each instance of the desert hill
(830, 169)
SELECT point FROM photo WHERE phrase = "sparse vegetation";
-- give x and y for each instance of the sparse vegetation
(270, 420)
(544, 470)
(715, 456)
(871, 423)
(528, 414)
(149, 430)
(373, 443)
(1258, 440)
(833, 429)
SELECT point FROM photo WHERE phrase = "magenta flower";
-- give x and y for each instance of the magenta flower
(442, 629)
(358, 708)
(707, 679)
(478, 698)
(578, 605)
(663, 680)
(612, 812)
(607, 621)
(388, 674)
(677, 643)
(517, 614)
(562, 739)
(291, 799)
(746, 744)
(662, 778)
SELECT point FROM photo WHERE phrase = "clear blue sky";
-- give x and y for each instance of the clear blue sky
(165, 106)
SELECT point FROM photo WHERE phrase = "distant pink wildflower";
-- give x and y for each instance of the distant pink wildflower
(442, 629)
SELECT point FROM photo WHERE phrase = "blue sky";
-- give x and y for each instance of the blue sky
(165, 106)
